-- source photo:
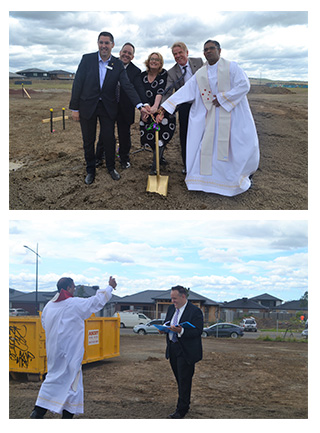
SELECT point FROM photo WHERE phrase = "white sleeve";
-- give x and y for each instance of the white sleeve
(186, 93)
(88, 306)
(240, 86)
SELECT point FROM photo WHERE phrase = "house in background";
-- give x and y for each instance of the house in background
(292, 307)
(34, 73)
(267, 300)
(61, 75)
(155, 303)
(27, 301)
(241, 307)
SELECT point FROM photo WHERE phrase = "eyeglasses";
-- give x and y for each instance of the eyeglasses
(155, 59)
(212, 48)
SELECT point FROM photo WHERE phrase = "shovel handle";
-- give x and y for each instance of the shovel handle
(157, 154)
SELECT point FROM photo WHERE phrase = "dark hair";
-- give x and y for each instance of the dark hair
(131, 45)
(213, 42)
(182, 290)
(64, 283)
(109, 35)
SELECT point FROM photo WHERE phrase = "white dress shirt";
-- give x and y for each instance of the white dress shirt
(181, 310)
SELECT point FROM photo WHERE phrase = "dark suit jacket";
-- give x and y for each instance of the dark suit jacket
(86, 91)
(190, 341)
(125, 104)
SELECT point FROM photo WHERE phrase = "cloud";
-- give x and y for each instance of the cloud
(259, 41)
(221, 259)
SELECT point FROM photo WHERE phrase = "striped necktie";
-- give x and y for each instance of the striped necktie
(174, 323)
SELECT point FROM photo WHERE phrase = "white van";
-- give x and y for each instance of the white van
(129, 319)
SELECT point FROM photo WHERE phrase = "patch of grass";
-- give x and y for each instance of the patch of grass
(279, 338)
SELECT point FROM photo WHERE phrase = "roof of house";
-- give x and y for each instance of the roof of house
(244, 303)
(265, 297)
(31, 297)
(87, 291)
(144, 297)
(151, 296)
(193, 296)
(14, 75)
(59, 71)
(31, 70)
(292, 305)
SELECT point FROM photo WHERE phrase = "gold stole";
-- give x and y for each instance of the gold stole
(224, 117)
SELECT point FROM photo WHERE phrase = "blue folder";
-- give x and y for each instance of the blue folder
(167, 329)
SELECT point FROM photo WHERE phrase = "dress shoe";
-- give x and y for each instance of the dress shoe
(35, 415)
(176, 415)
(89, 178)
(114, 174)
(125, 165)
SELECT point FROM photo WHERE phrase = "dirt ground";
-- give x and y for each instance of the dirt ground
(48, 170)
(245, 378)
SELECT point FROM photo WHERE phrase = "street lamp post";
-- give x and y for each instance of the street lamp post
(37, 255)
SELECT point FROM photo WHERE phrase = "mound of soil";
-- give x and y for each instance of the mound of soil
(48, 169)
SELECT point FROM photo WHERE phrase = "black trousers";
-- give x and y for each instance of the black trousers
(124, 135)
(89, 128)
(183, 110)
(183, 373)
(40, 411)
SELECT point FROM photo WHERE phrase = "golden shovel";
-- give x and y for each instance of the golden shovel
(157, 183)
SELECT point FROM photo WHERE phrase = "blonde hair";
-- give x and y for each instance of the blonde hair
(180, 45)
(148, 61)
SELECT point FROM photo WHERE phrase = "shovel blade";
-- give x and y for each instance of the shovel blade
(158, 184)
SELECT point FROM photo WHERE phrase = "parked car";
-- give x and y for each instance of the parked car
(128, 319)
(304, 333)
(223, 330)
(249, 324)
(18, 312)
(148, 328)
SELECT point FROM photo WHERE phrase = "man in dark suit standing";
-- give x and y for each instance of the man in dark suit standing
(178, 75)
(94, 97)
(184, 346)
(126, 110)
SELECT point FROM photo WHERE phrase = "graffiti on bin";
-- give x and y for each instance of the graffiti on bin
(18, 347)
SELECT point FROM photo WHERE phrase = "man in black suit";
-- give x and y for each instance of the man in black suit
(94, 97)
(126, 110)
(184, 346)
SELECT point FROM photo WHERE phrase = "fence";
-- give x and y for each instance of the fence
(271, 317)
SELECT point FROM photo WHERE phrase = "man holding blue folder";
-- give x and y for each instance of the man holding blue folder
(184, 347)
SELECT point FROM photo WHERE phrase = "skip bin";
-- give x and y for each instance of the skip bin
(27, 350)
(102, 338)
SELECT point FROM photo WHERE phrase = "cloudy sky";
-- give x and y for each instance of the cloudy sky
(270, 44)
(222, 260)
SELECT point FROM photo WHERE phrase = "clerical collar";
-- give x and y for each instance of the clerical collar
(64, 294)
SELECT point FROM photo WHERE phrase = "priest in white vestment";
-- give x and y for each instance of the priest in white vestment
(63, 321)
(222, 141)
